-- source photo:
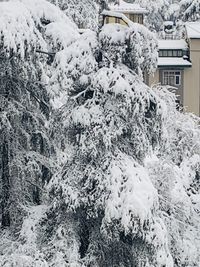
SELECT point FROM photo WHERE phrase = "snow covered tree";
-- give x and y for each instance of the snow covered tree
(22, 130)
(111, 124)
(84, 13)
(189, 10)
(125, 163)
(174, 171)
(30, 34)
(107, 127)
(26, 149)
(159, 12)
(164, 10)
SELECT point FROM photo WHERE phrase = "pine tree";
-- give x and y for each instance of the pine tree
(83, 13)
(190, 10)
(108, 119)
(121, 163)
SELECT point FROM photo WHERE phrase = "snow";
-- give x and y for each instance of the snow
(87, 116)
(72, 62)
(125, 7)
(21, 27)
(84, 13)
(173, 61)
(174, 182)
(60, 30)
(81, 31)
(174, 9)
(41, 9)
(25, 253)
(111, 121)
(61, 34)
(18, 32)
(132, 193)
(114, 38)
(172, 44)
(193, 30)
(115, 33)
(166, 23)
(28, 231)
(190, 10)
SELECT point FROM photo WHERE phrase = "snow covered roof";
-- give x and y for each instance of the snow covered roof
(173, 61)
(193, 30)
(125, 7)
(118, 15)
(172, 44)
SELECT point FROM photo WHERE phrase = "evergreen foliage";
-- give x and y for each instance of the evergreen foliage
(96, 168)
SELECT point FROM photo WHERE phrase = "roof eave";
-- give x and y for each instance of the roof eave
(174, 66)
(196, 38)
(140, 12)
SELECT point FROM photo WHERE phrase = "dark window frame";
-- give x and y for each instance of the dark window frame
(172, 77)
(170, 53)
(132, 17)
(117, 20)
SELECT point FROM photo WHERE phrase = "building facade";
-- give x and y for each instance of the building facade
(192, 75)
(179, 67)
(173, 62)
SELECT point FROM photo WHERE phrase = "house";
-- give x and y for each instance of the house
(133, 12)
(173, 63)
(192, 85)
(179, 66)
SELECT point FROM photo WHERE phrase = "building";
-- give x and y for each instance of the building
(133, 12)
(179, 66)
(192, 79)
(173, 63)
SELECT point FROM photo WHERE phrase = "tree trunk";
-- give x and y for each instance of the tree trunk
(5, 186)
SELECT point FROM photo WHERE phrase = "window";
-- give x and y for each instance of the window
(170, 53)
(132, 17)
(117, 20)
(171, 78)
(165, 53)
(179, 53)
(175, 53)
(140, 19)
(107, 20)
